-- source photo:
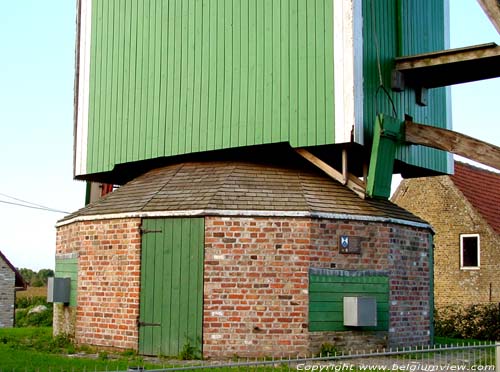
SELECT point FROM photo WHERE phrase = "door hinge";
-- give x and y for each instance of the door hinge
(148, 231)
(144, 324)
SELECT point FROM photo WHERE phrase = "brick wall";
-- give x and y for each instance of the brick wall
(437, 200)
(256, 286)
(108, 281)
(400, 250)
(7, 295)
(256, 282)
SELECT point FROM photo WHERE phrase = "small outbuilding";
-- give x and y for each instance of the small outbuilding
(243, 258)
(10, 282)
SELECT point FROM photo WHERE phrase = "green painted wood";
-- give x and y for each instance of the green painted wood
(284, 43)
(68, 268)
(171, 285)
(418, 33)
(123, 72)
(338, 316)
(184, 77)
(163, 73)
(194, 137)
(179, 76)
(302, 73)
(334, 326)
(326, 300)
(338, 296)
(329, 305)
(353, 287)
(387, 136)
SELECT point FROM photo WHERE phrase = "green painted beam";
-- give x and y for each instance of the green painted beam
(386, 136)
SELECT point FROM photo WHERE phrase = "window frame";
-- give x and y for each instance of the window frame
(462, 267)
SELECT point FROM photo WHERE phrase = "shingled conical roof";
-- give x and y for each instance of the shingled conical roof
(234, 187)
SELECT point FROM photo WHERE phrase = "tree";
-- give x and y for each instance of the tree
(36, 279)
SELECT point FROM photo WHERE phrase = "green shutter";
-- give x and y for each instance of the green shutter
(326, 295)
(68, 268)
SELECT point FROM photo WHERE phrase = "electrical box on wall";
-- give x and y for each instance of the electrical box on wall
(360, 311)
(58, 290)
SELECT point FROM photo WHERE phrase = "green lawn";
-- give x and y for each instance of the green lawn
(34, 349)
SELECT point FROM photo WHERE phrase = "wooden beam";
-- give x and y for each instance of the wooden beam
(454, 142)
(356, 185)
(448, 67)
(328, 169)
(352, 182)
(345, 170)
(492, 10)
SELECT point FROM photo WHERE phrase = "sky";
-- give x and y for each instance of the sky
(37, 40)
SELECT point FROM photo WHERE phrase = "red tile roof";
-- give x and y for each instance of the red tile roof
(482, 190)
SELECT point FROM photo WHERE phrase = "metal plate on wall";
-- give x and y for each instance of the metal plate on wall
(349, 244)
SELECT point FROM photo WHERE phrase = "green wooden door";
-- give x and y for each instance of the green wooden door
(171, 300)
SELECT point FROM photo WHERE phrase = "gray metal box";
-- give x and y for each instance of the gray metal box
(58, 290)
(360, 311)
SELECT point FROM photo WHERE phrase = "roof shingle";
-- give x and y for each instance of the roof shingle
(239, 186)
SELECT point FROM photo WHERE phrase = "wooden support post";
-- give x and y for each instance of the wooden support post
(352, 182)
(386, 136)
(328, 169)
(344, 165)
(454, 142)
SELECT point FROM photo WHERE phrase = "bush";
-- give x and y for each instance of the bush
(42, 319)
(25, 319)
(481, 322)
(26, 302)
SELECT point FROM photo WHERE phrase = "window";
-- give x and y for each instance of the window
(469, 251)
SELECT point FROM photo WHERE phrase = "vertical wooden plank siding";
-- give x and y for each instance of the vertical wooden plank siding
(68, 268)
(171, 302)
(421, 29)
(179, 76)
(326, 295)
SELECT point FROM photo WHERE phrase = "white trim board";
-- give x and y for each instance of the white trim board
(248, 213)
(83, 87)
(348, 69)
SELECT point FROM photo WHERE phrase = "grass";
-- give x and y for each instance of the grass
(34, 349)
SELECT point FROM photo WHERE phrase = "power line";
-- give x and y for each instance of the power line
(24, 201)
(34, 207)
